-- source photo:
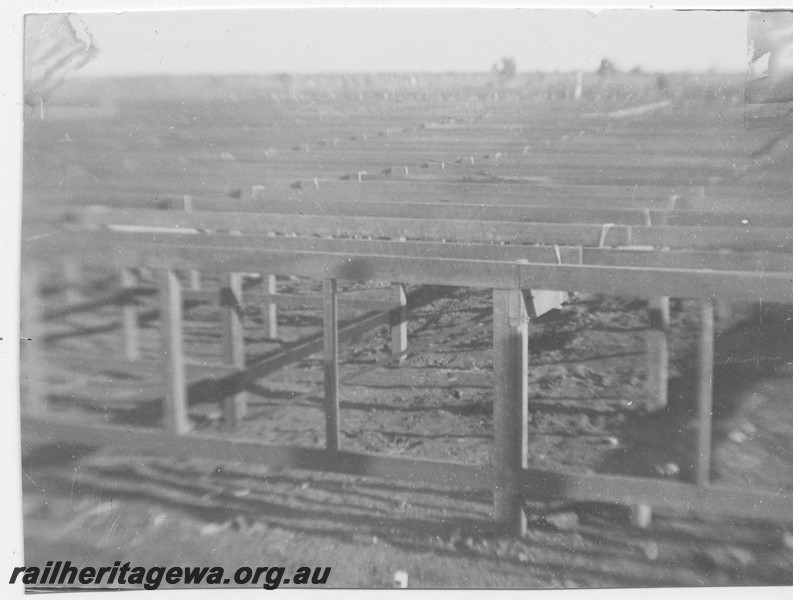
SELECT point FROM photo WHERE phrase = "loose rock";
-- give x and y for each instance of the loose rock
(400, 579)
(563, 521)
(650, 550)
(213, 528)
(787, 540)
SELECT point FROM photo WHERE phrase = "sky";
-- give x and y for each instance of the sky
(411, 39)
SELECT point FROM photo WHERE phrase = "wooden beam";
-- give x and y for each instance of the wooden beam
(773, 239)
(271, 308)
(552, 211)
(657, 352)
(399, 321)
(340, 226)
(481, 191)
(539, 484)
(536, 484)
(429, 210)
(195, 275)
(705, 394)
(172, 352)
(351, 330)
(295, 301)
(525, 192)
(330, 319)
(140, 369)
(646, 257)
(234, 407)
(510, 406)
(122, 297)
(249, 451)
(771, 287)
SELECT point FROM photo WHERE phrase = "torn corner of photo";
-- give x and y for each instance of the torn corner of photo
(56, 46)
(770, 53)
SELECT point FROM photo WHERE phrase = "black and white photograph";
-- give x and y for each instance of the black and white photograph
(444, 297)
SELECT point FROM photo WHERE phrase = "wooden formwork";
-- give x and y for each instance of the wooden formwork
(631, 236)
(459, 264)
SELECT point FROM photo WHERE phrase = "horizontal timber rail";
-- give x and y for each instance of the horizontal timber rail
(525, 212)
(199, 252)
(66, 243)
(537, 483)
(530, 210)
(528, 191)
(222, 448)
(773, 239)
(414, 192)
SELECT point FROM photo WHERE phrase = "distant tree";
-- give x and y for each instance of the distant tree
(662, 83)
(606, 68)
(505, 69)
(501, 72)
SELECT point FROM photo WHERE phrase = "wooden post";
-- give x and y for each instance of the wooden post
(657, 344)
(234, 407)
(175, 408)
(658, 352)
(399, 322)
(270, 282)
(705, 393)
(331, 339)
(195, 276)
(33, 387)
(510, 406)
(271, 308)
(129, 318)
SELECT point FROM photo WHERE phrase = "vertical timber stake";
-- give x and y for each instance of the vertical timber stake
(271, 308)
(399, 323)
(705, 393)
(175, 408)
(195, 276)
(658, 352)
(234, 406)
(269, 280)
(510, 407)
(331, 343)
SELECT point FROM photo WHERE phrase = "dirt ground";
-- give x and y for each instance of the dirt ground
(587, 414)
(587, 407)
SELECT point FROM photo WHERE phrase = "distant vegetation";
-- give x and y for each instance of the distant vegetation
(618, 89)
